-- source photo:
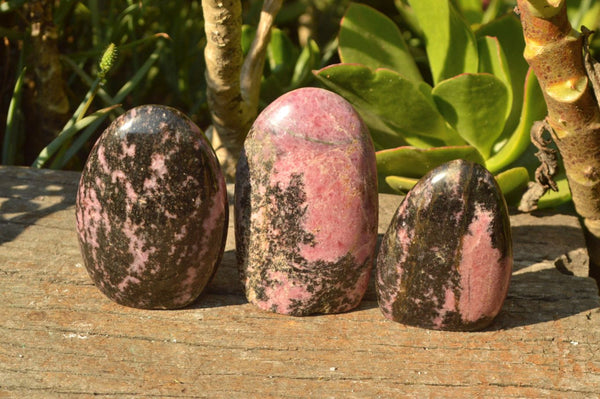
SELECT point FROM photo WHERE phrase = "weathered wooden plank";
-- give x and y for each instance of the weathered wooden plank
(59, 336)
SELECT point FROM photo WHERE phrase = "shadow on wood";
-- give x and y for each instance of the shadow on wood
(27, 195)
(60, 337)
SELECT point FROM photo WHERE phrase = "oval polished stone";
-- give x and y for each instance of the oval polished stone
(446, 259)
(152, 210)
(306, 205)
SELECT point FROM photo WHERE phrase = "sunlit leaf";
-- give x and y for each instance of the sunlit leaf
(513, 183)
(493, 61)
(307, 61)
(248, 34)
(281, 55)
(471, 9)
(534, 109)
(553, 199)
(475, 105)
(370, 38)
(400, 184)
(507, 29)
(450, 43)
(399, 104)
(415, 162)
(12, 133)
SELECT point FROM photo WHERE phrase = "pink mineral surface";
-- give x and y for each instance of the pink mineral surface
(152, 210)
(445, 261)
(306, 205)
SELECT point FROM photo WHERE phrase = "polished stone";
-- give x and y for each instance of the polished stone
(306, 206)
(446, 259)
(152, 210)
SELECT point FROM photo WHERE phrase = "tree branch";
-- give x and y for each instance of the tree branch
(253, 66)
(233, 86)
(555, 52)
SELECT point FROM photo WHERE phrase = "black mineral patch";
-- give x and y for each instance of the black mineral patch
(415, 272)
(156, 181)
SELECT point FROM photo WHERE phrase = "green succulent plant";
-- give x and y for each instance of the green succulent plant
(473, 97)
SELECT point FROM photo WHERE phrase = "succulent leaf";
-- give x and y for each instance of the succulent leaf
(507, 29)
(476, 106)
(533, 109)
(399, 103)
(513, 183)
(382, 47)
(307, 61)
(415, 162)
(493, 61)
(450, 43)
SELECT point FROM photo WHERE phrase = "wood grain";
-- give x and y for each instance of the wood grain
(60, 337)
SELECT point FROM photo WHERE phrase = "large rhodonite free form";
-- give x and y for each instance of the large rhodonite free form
(152, 210)
(446, 259)
(306, 206)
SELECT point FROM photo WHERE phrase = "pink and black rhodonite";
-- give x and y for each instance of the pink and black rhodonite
(152, 210)
(306, 206)
(446, 259)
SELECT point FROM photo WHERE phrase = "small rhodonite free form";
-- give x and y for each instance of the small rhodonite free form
(152, 210)
(446, 259)
(306, 206)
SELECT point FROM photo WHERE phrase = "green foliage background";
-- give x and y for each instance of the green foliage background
(160, 60)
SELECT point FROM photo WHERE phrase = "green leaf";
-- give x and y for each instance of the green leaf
(475, 105)
(307, 61)
(400, 184)
(409, 163)
(534, 109)
(281, 60)
(552, 199)
(583, 12)
(123, 92)
(450, 43)
(400, 106)
(513, 183)
(248, 34)
(416, 162)
(66, 134)
(471, 9)
(507, 29)
(13, 132)
(493, 61)
(281, 56)
(370, 38)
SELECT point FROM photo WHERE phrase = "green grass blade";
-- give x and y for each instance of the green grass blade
(139, 75)
(120, 96)
(87, 79)
(11, 135)
(66, 134)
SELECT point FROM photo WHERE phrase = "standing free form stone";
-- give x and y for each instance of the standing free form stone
(306, 205)
(446, 259)
(152, 210)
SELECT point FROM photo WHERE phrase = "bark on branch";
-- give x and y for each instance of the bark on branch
(233, 85)
(555, 52)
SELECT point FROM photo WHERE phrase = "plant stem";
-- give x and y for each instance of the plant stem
(254, 63)
(223, 55)
(233, 89)
(11, 134)
(66, 134)
(555, 53)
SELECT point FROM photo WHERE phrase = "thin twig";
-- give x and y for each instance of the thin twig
(254, 63)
